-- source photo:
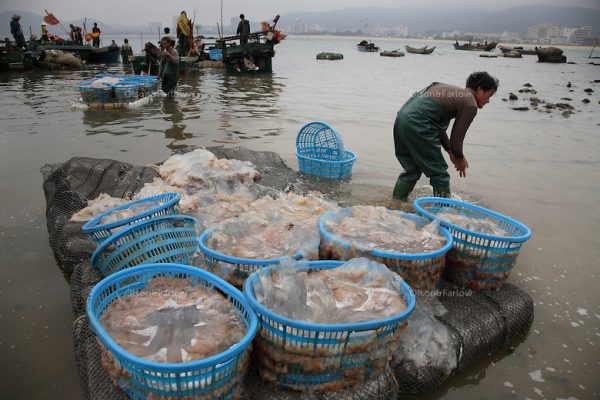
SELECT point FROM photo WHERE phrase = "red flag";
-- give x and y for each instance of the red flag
(50, 19)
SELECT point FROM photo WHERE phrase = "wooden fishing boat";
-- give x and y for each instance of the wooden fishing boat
(15, 60)
(513, 54)
(520, 49)
(89, 54)
(475, 47)
(420, 50)
(367, 47)
(392, 53)
(253, 53)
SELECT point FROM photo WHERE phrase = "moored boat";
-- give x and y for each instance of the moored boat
(89, 54)
(367, 46)
(513, 54)
(520, 49)
(420, 50)
(15, 60)
(475, 47)
(252, 53)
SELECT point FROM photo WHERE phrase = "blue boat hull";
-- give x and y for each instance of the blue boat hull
(105, 55)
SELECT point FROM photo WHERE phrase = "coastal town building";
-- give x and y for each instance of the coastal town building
(548, 33)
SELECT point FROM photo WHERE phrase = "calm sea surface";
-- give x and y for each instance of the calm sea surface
(541, 168)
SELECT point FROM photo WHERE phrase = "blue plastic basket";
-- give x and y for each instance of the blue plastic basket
(422, 271)
(319, 141)
(324, 357)
(91, 94)
(238, 268)
(126, 92)
(167, 239)
(148, 86)
(328, 169)
(215, 54)
(98, 232)
(87, 94)
(216, 377)
(477, 260)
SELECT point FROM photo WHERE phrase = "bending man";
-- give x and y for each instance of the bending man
(420, 131)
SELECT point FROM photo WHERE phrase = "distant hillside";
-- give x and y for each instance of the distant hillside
(445, 19)
(35, 20)
(419, 20)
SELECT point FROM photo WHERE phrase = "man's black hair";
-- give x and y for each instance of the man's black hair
(242, 16)
(482, 80)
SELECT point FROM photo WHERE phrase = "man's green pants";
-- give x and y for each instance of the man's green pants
(417, 130)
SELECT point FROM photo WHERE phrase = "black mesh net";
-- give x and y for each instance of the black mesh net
(479, 323)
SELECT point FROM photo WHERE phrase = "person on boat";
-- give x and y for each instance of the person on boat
(184, 31)
(76, 35)
(169, 66)
(420, 131)
(96, 35)
(243, 29)
(44, 38)
(17, 32)
(126, 51)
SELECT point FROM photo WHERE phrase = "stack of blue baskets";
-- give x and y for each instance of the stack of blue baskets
(156, 235)
(99, 231)
(155, 243)
(422, 271)
(476, 260)
(321, 152)
(324, 357)
(125, 91)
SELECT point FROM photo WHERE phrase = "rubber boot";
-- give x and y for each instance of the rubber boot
(403, 189)
(442, 192)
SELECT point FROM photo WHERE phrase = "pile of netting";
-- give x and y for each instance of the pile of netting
(450, 330)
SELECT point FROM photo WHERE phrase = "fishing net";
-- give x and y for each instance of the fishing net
(478, 323)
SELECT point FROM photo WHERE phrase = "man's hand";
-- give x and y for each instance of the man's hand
(460, 164)
(461, 167)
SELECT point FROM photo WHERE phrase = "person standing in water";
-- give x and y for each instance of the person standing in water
(126, 51)
(169, 66)
(420, 131)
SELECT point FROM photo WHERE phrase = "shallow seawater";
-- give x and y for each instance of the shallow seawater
(540, 168)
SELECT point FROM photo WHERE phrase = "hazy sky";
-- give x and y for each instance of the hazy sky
(139, 12)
